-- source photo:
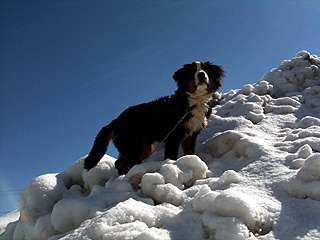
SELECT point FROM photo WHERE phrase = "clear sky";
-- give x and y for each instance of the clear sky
(67, 68)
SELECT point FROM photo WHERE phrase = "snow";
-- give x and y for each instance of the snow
(256, 175)
(10, 217)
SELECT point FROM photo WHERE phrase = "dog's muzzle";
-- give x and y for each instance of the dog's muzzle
(201, 76)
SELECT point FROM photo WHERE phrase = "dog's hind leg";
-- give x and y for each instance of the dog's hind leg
(146, 149)
(122, 164)
(133, 155)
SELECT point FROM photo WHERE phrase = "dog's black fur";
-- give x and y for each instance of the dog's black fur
(138, 127)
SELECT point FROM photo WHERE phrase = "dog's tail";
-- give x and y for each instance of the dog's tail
(100, 146)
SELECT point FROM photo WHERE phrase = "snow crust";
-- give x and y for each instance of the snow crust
(256, 175)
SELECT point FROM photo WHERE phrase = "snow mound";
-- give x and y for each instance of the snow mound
(256, 175)
(306, 183)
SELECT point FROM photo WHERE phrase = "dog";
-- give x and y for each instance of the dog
(175, 120)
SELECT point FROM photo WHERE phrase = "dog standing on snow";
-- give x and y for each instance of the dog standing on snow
(176, 119)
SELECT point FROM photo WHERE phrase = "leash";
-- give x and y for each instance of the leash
(188, 110)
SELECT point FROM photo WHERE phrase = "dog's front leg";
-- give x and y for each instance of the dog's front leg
(189, 144)
(172, 148)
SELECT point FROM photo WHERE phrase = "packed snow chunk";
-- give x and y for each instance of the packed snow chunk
(135, 230)
(303, 58)
(222, 143)
(204, 199)
(310, 171)
(259, 100)
(175, 175)
(311, 97)
(283, 105)
(300, 189)
(248, 148)
(222, 228)
(255, 117)
(101, 173)
(256, 212)
(307, 133)
(249, 107)
(304, 152)
(7, 219)
(198, 167)
(299, 157)
(116, 222)
(308, 121)
(73, 174)
(262, 88)
(297, 163)
(119, 184)
(69, 213)
(39, 197)
(294, 75)
(228, 177)
(149, 181)
(153, 185)
(135, 174)
(227, 96)
(242, 145)
(307, 181)
(181, 173)
(8, 231)
(280, 109)
(247, 89)
(43, 227)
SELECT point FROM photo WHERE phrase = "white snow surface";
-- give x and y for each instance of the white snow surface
(256, 176)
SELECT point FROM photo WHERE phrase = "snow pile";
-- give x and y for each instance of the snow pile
(256, 176)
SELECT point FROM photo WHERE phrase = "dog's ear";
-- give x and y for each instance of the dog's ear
(181, 77)
(180, 74)
(216, 74)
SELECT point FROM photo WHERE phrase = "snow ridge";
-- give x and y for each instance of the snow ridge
(256, 176)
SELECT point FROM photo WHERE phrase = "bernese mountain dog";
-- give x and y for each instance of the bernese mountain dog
(174, 120)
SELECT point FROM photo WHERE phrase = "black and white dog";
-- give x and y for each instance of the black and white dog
(137, 128)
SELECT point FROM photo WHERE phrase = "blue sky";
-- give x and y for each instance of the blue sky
(67, 68)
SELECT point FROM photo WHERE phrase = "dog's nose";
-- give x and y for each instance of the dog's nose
(201, 77)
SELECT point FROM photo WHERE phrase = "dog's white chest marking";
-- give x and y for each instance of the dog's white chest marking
(198, 121)
(199, 98)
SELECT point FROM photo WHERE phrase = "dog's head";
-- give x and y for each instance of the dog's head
(199, 78)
